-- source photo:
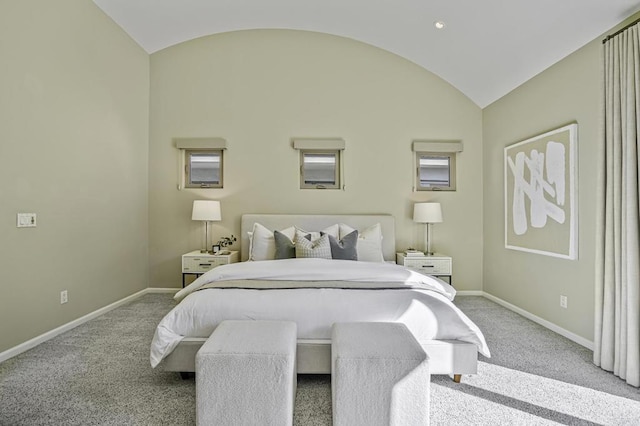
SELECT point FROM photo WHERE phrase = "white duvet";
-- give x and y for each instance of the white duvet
(315, 293)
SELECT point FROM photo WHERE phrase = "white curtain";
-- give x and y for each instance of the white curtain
(617, 325)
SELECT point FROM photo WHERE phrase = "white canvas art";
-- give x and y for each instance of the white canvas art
(540, 194)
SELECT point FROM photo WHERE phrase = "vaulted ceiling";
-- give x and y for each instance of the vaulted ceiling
(486, 49)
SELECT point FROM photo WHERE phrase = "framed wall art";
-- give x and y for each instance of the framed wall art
(540, 192)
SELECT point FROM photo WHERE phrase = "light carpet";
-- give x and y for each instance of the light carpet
(99, 374)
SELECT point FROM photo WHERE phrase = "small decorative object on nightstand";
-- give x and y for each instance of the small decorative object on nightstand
(196, 263)
(437, 265)
(223, 244)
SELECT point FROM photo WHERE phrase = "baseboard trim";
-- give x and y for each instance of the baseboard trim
(162, 290)
(547, 324)
(469, 293)
(29, 344)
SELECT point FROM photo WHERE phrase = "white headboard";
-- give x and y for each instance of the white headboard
(317, 223)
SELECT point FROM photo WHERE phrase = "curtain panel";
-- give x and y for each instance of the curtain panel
(617, 322)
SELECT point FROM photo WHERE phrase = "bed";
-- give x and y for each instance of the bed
(318, 292)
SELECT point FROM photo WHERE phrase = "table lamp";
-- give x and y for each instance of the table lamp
(206, 211)
(427, 213)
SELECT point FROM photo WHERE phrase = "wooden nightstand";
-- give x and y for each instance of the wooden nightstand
(196, 263)
(437, 265)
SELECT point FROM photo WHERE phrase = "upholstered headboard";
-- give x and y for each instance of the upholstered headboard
(317, 223)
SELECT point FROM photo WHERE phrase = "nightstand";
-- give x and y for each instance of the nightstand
(437, 265)
(196, 263)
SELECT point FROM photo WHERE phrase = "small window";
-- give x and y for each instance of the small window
(203, 168)
(319, 169)
(436, 171)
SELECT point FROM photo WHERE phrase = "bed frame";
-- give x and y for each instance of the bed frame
(450, 357)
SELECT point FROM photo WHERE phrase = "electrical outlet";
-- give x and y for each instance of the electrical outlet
(563, 301)
(63, 297)
(26, 220)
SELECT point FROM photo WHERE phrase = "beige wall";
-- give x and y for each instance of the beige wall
(73, 148)
(569, 91)
(258, 89)
(87, 118)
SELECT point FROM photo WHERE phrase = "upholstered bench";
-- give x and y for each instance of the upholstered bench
(379, 375)
(246, 374)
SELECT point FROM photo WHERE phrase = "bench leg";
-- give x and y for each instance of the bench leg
(186, 375)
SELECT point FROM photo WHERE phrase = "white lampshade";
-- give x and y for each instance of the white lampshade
(427, 213)
(208, 210)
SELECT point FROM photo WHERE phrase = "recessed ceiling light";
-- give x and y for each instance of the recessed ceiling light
(439, 25)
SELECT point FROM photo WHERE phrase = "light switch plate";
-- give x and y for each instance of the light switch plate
(26, 220)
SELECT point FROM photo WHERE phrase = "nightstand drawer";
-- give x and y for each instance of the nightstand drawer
(437, 264)
(202, 264)
(430, 266)
(197, 263)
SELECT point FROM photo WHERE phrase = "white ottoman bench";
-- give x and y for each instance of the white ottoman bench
(246, 374)
(379, 375)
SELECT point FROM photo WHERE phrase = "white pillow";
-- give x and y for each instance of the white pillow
(262, 244)
(369, 245)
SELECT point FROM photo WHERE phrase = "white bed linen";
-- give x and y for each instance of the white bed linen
(421, 302)
(319, 270)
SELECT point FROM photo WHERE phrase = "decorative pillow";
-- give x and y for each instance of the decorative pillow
(369, 245)
(346, 248)
(320, 248)
(285, 248)
(263, 244)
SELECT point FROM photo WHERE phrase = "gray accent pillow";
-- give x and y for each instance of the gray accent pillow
(346, 248)
(285, 249)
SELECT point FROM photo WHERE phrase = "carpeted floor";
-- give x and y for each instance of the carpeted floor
(99, 374)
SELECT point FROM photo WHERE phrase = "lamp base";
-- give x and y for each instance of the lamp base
(427, 240)
(206, 237)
